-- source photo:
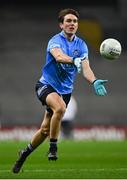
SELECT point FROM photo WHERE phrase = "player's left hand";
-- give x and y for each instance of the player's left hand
(99, 88)
(77, 63)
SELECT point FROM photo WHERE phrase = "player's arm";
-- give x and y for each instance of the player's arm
(98, 84)
(87, 71)
(64, 58)
(60, 56)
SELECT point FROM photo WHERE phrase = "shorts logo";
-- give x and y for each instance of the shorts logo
(39, 91)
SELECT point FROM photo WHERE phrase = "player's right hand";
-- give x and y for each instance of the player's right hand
(77, 63)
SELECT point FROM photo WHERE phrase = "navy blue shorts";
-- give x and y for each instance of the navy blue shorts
(42, 90)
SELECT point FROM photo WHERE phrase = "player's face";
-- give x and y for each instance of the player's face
(70, 24)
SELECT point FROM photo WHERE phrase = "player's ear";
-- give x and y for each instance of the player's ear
(61, 25)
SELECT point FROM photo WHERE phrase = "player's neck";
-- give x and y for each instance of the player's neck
(70, 37)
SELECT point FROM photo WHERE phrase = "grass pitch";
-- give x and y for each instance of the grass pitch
(77, 160)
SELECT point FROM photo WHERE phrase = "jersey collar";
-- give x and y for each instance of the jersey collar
(63, 35)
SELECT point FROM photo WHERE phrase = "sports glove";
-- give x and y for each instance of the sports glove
(77, 63)
(99, 87)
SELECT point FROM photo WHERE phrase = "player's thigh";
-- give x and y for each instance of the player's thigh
(55, 101)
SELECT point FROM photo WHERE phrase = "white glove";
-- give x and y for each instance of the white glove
(77, 63)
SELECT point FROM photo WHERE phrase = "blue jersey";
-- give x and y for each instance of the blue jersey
(61, 76)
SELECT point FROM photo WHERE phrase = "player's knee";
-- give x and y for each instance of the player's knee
(60, 110)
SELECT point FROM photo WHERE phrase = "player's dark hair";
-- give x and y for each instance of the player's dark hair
(64, 12)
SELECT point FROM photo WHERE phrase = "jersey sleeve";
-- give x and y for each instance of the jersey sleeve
(53, 43)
